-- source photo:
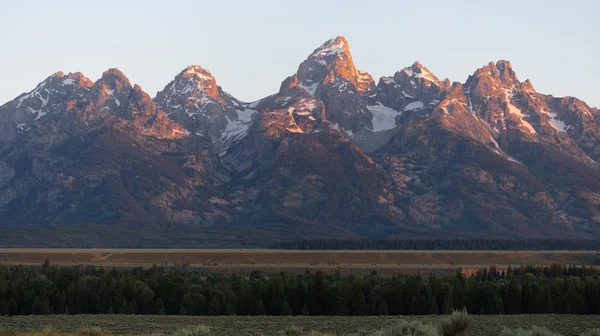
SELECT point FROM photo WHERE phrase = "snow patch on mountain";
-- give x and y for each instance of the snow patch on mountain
(307, 104)
(199, 72)
(417, 105)
(330, 48)
(426, 75)
(556, 123)
(512, 109)
(500, 152)
(237, 129)
(468, 94)
(384, 118)
(311, 89)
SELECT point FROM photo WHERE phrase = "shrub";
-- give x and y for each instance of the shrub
(455, 323)
(318, 333)
(94, 331)
(195, 331)
(534, 331)
(593, 332)
(47, 331)
(299, 331)
(293, 331)
(410, 328)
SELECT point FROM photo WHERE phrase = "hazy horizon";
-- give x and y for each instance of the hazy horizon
(252, 47)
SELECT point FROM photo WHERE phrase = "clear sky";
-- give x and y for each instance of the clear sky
(251, 46)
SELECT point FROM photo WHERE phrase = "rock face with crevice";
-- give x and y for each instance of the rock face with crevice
(331, 154)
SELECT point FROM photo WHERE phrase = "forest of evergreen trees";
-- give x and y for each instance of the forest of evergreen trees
(442, 244)
(50, 289)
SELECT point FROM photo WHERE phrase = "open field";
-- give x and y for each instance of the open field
(265, 325)
(246, 260)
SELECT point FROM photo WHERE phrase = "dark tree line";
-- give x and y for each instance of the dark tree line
(441, 244)
(179, 291)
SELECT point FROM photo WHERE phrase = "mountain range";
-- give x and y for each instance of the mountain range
(333, 153)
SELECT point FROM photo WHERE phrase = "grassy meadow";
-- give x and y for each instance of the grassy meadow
(566, 325)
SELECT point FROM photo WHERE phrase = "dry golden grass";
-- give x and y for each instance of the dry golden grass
(243, 261)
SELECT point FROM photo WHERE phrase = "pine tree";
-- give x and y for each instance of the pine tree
(4, 309)
(286, 309)
(61, 303)
(275, 296)
(259, 308)
(458, 294)
(216, 306)
(13, 306)
(498, 305)
(447, 305)
(528, 299)
(382, 309)
(124, 308)
(305, 311)
(433, 308)
(41, 307)
(159, 307)
(417, 305)
(512, 297)
(132, 308)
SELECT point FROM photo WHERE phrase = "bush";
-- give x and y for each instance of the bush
(410, 328)
(293, 331)
(195, 331)
(94, 331)
(299, 331)
(455, 323)
(48, 331)
(593, 332)
(318, 333)
(534, 331)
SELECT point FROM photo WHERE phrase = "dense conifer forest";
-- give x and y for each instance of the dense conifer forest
(51, 289)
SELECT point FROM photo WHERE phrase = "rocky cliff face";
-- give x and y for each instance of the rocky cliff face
(330, 154)
(102, 152)
(194, 100)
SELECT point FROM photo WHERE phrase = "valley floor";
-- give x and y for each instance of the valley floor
(293, 261)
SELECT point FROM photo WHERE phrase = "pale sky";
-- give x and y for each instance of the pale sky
(252, 46)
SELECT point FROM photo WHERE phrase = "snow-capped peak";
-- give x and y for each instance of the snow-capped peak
(335, 46)
(198, 73)
(417, 70)
(191, 89)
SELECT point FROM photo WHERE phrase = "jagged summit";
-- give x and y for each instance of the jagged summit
(500, 72)
(417, 70)
(194, 82)
(114, 72)
(47, 99)
(194, 100)
(414, 152)
(414, 88)
(336, 46)
(197, 73)
(113, 79)
(329, 64)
